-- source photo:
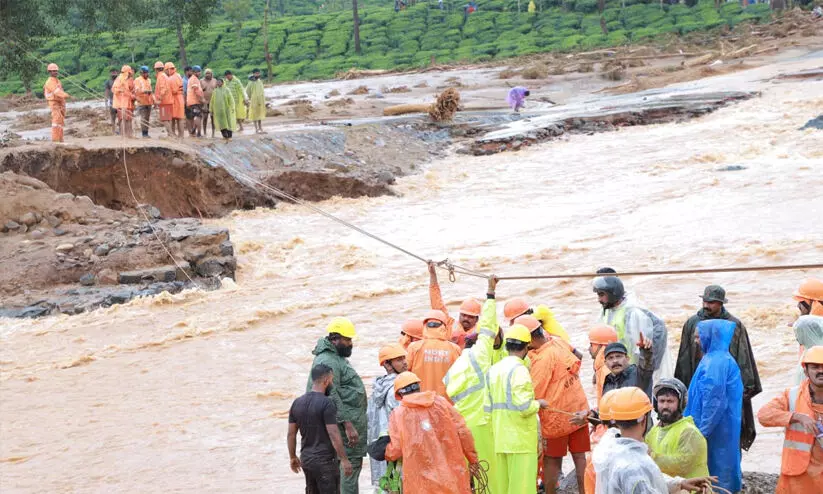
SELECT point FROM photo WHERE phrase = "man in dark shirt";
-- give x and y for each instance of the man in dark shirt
(315, 416)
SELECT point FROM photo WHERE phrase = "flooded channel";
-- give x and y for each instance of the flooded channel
(190, 392)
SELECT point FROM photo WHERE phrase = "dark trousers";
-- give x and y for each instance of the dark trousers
(226, 133)
(322, 478)
(145, 115)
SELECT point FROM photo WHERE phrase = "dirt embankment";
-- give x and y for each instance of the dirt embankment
(171, 180)
(63, 253)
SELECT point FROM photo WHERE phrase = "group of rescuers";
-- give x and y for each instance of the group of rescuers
(469, 405)
(177, 98)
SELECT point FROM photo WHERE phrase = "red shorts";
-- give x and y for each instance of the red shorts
(576, 442)
(165, 112)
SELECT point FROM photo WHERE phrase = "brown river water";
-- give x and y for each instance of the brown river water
(190, 392)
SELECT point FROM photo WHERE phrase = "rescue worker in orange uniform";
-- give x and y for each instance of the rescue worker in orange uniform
(555, 373)
(517, 307)
(145, 100)
(469, 311)
(604, 411)
(432, 439)
(431, 357)
(411, 331)
(194, 101)
(123, 90)
(178, 111)
(56, 97)
(599, 337)
(809, 296)
(800, 411)
(163, 99)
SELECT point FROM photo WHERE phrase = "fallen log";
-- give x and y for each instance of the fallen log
(406, 109)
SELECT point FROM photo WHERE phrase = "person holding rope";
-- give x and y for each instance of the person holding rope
(690, 354)
(466, 380)
(800, 411)
(513, 406)
(431, 357)
(432, 439)
(621, 461)
(555, 374)
(469, 310)
(56, 97)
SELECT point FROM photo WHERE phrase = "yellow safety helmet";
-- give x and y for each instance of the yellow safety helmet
(813, 355)
(519, 332)
(629, 403)
(341, 326)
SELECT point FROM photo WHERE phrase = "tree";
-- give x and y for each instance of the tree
(266, 41)
(24, 24)
(356, 21)
(238, 11)
(190, 15)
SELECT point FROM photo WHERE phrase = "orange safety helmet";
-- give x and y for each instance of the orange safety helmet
(813, 355)
(811, 289)
(530, 322)
(602, 334)
(413, 328)
(471, 307)
(515, 307)
(435, 315)
(390, 352)
(629, 403)
(604, 408)
(52, 66)
(127, 68)
(159, 65)
(169, 65)
(404, 379)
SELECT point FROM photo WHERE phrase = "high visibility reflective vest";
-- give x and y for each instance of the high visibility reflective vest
(466, 380)
(797, 446)
(679, 449)
(510, 401)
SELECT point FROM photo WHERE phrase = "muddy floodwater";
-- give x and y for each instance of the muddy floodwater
(190, 392)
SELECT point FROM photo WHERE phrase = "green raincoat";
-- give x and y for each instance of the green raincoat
(222, 107)
(257, 100)
(239, 95)
(348, 394)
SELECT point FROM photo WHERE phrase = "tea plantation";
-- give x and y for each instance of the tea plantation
(316, 46)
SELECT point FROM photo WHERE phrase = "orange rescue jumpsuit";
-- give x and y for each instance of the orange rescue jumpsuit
(56, 97)
(178, 107)
(432, 438)
(123, 90)
(163, 97)
(800, 472)
(194, 94)
(431, 358)
(458, 335)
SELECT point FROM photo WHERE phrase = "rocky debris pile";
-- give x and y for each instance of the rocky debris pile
(62, 253)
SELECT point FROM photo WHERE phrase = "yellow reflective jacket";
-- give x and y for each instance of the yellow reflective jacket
(510, 400)
(679, 449)
(466, 380)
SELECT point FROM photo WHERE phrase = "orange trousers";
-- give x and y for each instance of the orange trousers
(58, 119)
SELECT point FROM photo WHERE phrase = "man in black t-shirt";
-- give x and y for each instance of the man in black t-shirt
(315, 416)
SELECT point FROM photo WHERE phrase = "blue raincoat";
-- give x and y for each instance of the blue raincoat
(716, 402)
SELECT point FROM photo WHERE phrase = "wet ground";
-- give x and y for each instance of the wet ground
(191, 391)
